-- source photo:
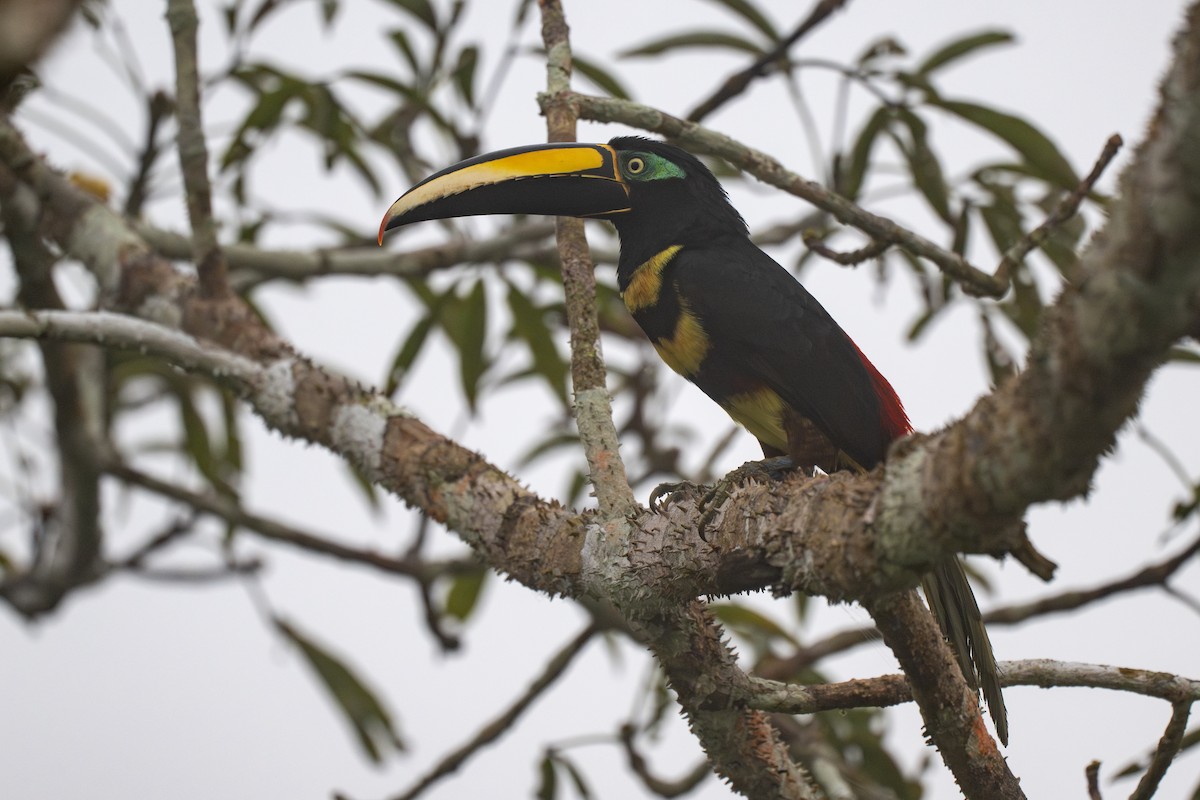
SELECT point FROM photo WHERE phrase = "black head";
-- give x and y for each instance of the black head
(673, 199)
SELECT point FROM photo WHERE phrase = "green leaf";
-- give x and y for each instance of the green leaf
(329, 12)
(265, 9)
(198, 444)
(408, 353)
(924, 166)
(371, 722)
(885, 47)
(747, 11)
(850, 179)
(369, 490)
(750, 623)
(464, 74)
(548, 782)
(400, 39)
(949, 53)
(576, 776)
(1183, 354)
(714, 40)
(529, 326)
(465, 321)
(423, 10)
(603, 79)
(464, 593)
(1039, 152)
(233, 439)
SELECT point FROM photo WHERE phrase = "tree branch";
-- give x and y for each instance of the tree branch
(948, 705)
(593, 407)
(1164, 754)
(1154, 575)
(272, 530)
(553, 670)
(193, 150)
(68, 551)
(737, 83)
(891, 690)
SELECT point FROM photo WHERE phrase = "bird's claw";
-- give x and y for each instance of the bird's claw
(715, 496)
(667, 491)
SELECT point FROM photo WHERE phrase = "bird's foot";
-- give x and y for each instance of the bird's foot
(768, 469)
(714, 496)
(665, 493)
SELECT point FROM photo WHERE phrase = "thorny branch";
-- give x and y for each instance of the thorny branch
(1107, 368)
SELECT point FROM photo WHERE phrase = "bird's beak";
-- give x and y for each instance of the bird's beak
(564, 179)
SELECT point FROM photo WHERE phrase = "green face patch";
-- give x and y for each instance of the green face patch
(637, 166)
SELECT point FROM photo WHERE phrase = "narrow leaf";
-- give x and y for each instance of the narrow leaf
(603, 79)
(547, 780)
(1041, 154)
(924, 166)
(464, 74)
(408, 353)
(464, 593)
(371, 722)
(851, 178)
(529, 326)
(423, 10)
(749, 12)
(712, 40)
(959, 48)
(750, 623)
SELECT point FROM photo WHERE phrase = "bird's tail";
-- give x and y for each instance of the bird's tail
(953, 604)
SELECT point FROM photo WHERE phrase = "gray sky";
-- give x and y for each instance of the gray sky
(138, 690)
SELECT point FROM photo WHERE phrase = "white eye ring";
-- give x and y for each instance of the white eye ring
(635, 165)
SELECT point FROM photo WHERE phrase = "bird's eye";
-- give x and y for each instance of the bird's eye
(635, 165)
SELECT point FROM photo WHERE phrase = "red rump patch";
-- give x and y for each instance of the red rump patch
(892, 416)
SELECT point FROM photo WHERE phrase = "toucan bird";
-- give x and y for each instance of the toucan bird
(720, 312)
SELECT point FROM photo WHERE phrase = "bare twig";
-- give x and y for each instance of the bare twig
(891, 690)
(593, 407)
(662, 788)
(872, 250)
(841, 641)
(193, 150)
(158, 108)
(1153, 575)
(1092, 774)
(119, 330)
(489, 733)
(275, 531)
(177, 529)
(1164, 754)
(738, 82)
(1066, 209)
(67, 553)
